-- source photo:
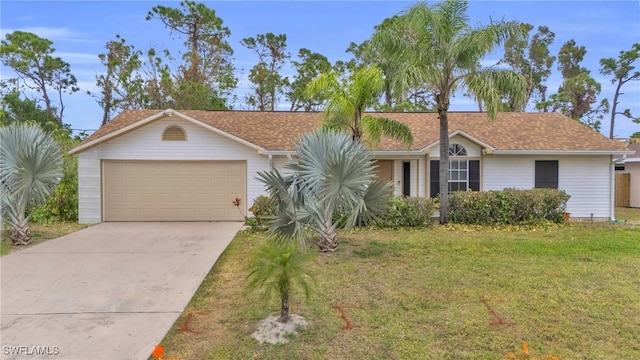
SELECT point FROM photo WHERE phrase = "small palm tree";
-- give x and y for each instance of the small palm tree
(347, 101)
(30, 168)
(279, 267)
(331, 175)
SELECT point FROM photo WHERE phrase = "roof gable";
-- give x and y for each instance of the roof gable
(277, 131)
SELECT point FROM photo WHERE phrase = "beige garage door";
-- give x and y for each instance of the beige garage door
(173, 190)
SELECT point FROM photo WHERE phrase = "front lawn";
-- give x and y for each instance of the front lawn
(41, 233)
(449, 292)
(629, 214)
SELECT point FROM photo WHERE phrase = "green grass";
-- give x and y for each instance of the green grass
(567, 291)
(41, 233)
(629, 214)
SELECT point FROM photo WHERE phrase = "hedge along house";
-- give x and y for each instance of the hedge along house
(166, 165)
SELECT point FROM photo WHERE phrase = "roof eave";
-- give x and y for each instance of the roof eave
(397, 152)
(561, 152)
(276, 152)
(219, 132)
(162, 114)
(464, 134)
(124, 130)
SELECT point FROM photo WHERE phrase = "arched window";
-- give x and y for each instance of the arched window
(457, 150)
(464, 173)
(174, 133)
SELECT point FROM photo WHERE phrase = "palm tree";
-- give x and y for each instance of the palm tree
(30, 167)
(439, 47)
(347, 100)
(280, 267)
(331, 175)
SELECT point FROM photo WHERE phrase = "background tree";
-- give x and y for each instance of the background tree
(31, 165)
(120, 87)
(530, 57)
(158, 81)
(398, 93)
(622, 71)
(331, 182)
(577, 95)
(349, 98)
(31, 57)
(265, 76)
(205, 80)
(279, 267)
(16, 109)
(309, 67)
(443, 50)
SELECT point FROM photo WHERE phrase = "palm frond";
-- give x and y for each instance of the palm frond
(489, 85)
(376, 127)
(374, 202)
(31, 162)
(278, 267)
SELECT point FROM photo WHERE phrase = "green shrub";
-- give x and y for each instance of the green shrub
(509, 206)
(408, 212)
(263, 208)
(62, 204)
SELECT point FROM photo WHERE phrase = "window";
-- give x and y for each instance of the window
(173, 133)
(458, 175)
(464, 174)
(457, 150)
(546, 174)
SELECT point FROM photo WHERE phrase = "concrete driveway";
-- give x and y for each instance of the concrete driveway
(110, 291)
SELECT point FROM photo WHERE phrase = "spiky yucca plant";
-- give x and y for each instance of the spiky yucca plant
(30, 168)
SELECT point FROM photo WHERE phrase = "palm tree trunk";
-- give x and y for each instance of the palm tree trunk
(443, 106)
(284, 308)
(20, 234)
(328, 241)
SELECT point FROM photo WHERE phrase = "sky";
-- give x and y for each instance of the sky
(79, 31)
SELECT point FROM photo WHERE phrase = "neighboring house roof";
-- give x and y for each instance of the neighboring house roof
(537, 132)
(635, 157)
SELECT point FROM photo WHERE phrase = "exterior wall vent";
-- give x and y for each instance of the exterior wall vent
(174, 133)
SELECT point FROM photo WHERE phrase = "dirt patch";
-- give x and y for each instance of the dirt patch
(274, 332)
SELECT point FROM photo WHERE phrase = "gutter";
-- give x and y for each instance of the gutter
(557, 152)
(612, 190)
(276, 152)
(374, 153)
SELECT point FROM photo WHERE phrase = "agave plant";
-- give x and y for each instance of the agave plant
(331, 183)
(30, 168)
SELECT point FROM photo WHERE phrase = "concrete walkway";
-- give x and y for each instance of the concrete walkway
(111, 291)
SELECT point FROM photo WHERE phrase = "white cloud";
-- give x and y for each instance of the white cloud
(51, 33)
(78, 58)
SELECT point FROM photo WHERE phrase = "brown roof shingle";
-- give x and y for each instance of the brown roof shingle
(276, 131)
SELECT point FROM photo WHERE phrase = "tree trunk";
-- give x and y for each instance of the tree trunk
(328, 241)
(443, 106)
(613, 109)
(20, 235)
(284, 308)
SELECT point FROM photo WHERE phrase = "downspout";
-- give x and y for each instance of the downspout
(612, 190)
(271, 161)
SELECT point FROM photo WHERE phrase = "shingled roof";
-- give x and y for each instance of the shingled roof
(277, 131)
